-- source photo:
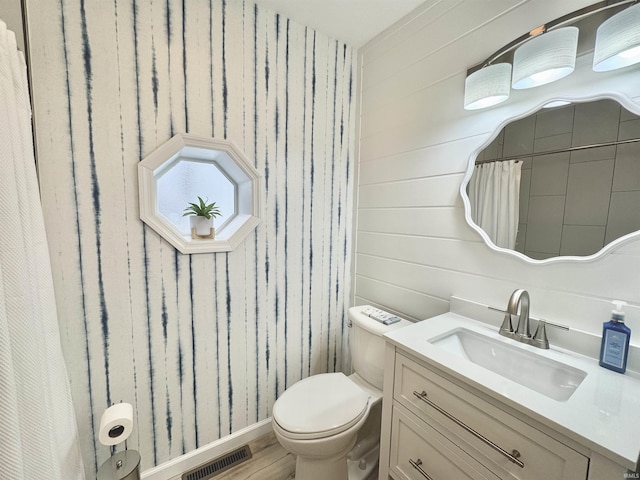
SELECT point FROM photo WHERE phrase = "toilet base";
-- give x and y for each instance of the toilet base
(339, 468)
(366, 467)
(335, 468)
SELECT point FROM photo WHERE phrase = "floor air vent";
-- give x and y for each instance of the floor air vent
(219, 465)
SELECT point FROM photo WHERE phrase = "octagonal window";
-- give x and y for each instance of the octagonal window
(188, 167)
(177, 185)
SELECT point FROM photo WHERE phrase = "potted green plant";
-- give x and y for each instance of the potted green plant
(201, 217)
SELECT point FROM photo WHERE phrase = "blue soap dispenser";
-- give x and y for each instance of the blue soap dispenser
(615, 340)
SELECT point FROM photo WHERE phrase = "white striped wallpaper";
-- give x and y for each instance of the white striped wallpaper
(201, 345)
(414, 249)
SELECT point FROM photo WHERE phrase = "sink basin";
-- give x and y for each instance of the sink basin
(544, 375)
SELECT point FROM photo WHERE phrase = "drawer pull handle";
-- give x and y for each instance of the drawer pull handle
(512, 457)
(418, 466)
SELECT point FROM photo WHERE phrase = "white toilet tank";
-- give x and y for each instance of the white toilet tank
(366, 344)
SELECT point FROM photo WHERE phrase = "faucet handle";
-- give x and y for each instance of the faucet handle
(507, 326)
(540, 337)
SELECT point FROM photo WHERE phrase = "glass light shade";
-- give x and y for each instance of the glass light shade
(618, 41)
(545, 58)
(487, 87)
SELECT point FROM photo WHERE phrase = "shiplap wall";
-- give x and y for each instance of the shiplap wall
(414, 249)
(201, 345)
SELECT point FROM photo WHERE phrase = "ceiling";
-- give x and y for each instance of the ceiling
(354, 22)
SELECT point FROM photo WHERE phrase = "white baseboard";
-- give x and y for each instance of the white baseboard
(176, 467)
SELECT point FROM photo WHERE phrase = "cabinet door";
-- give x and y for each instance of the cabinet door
(418, 452)
(505, 444)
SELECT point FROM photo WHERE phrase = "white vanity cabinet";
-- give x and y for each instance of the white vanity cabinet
(449, 413)
(437, 428)
(441, 430)
(419, 451)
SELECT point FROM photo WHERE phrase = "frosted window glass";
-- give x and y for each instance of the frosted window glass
(188, 179)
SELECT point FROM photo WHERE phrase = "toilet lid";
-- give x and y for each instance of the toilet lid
(327, 402)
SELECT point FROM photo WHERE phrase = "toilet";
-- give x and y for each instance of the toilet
(331, 422)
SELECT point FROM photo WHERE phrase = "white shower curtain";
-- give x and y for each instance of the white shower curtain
(494, 195)
(38, 432)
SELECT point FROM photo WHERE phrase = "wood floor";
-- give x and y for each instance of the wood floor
(269, 462)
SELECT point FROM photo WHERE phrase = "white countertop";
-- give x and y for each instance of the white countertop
(603, 414)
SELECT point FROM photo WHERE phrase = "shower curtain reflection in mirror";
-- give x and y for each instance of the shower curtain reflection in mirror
(494, 197)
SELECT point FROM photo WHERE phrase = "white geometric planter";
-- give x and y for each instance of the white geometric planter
(201, 227)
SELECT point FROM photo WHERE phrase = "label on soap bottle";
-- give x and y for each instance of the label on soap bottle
(614, 348)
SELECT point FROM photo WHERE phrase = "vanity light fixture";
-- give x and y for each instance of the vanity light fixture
(618, 41)
(548, 53)
(545, 58)
(488, 86)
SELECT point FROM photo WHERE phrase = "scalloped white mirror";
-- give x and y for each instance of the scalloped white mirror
(568, 186)
(186, 168)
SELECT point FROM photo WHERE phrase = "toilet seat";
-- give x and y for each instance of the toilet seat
(320, 406)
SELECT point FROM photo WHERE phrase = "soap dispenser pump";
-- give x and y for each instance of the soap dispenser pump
(615, 340)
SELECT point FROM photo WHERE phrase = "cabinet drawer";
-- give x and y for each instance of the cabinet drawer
(418, 452)
(503, 443)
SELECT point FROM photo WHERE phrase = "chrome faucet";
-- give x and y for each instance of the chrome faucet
(520, 297)
(522, 333)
